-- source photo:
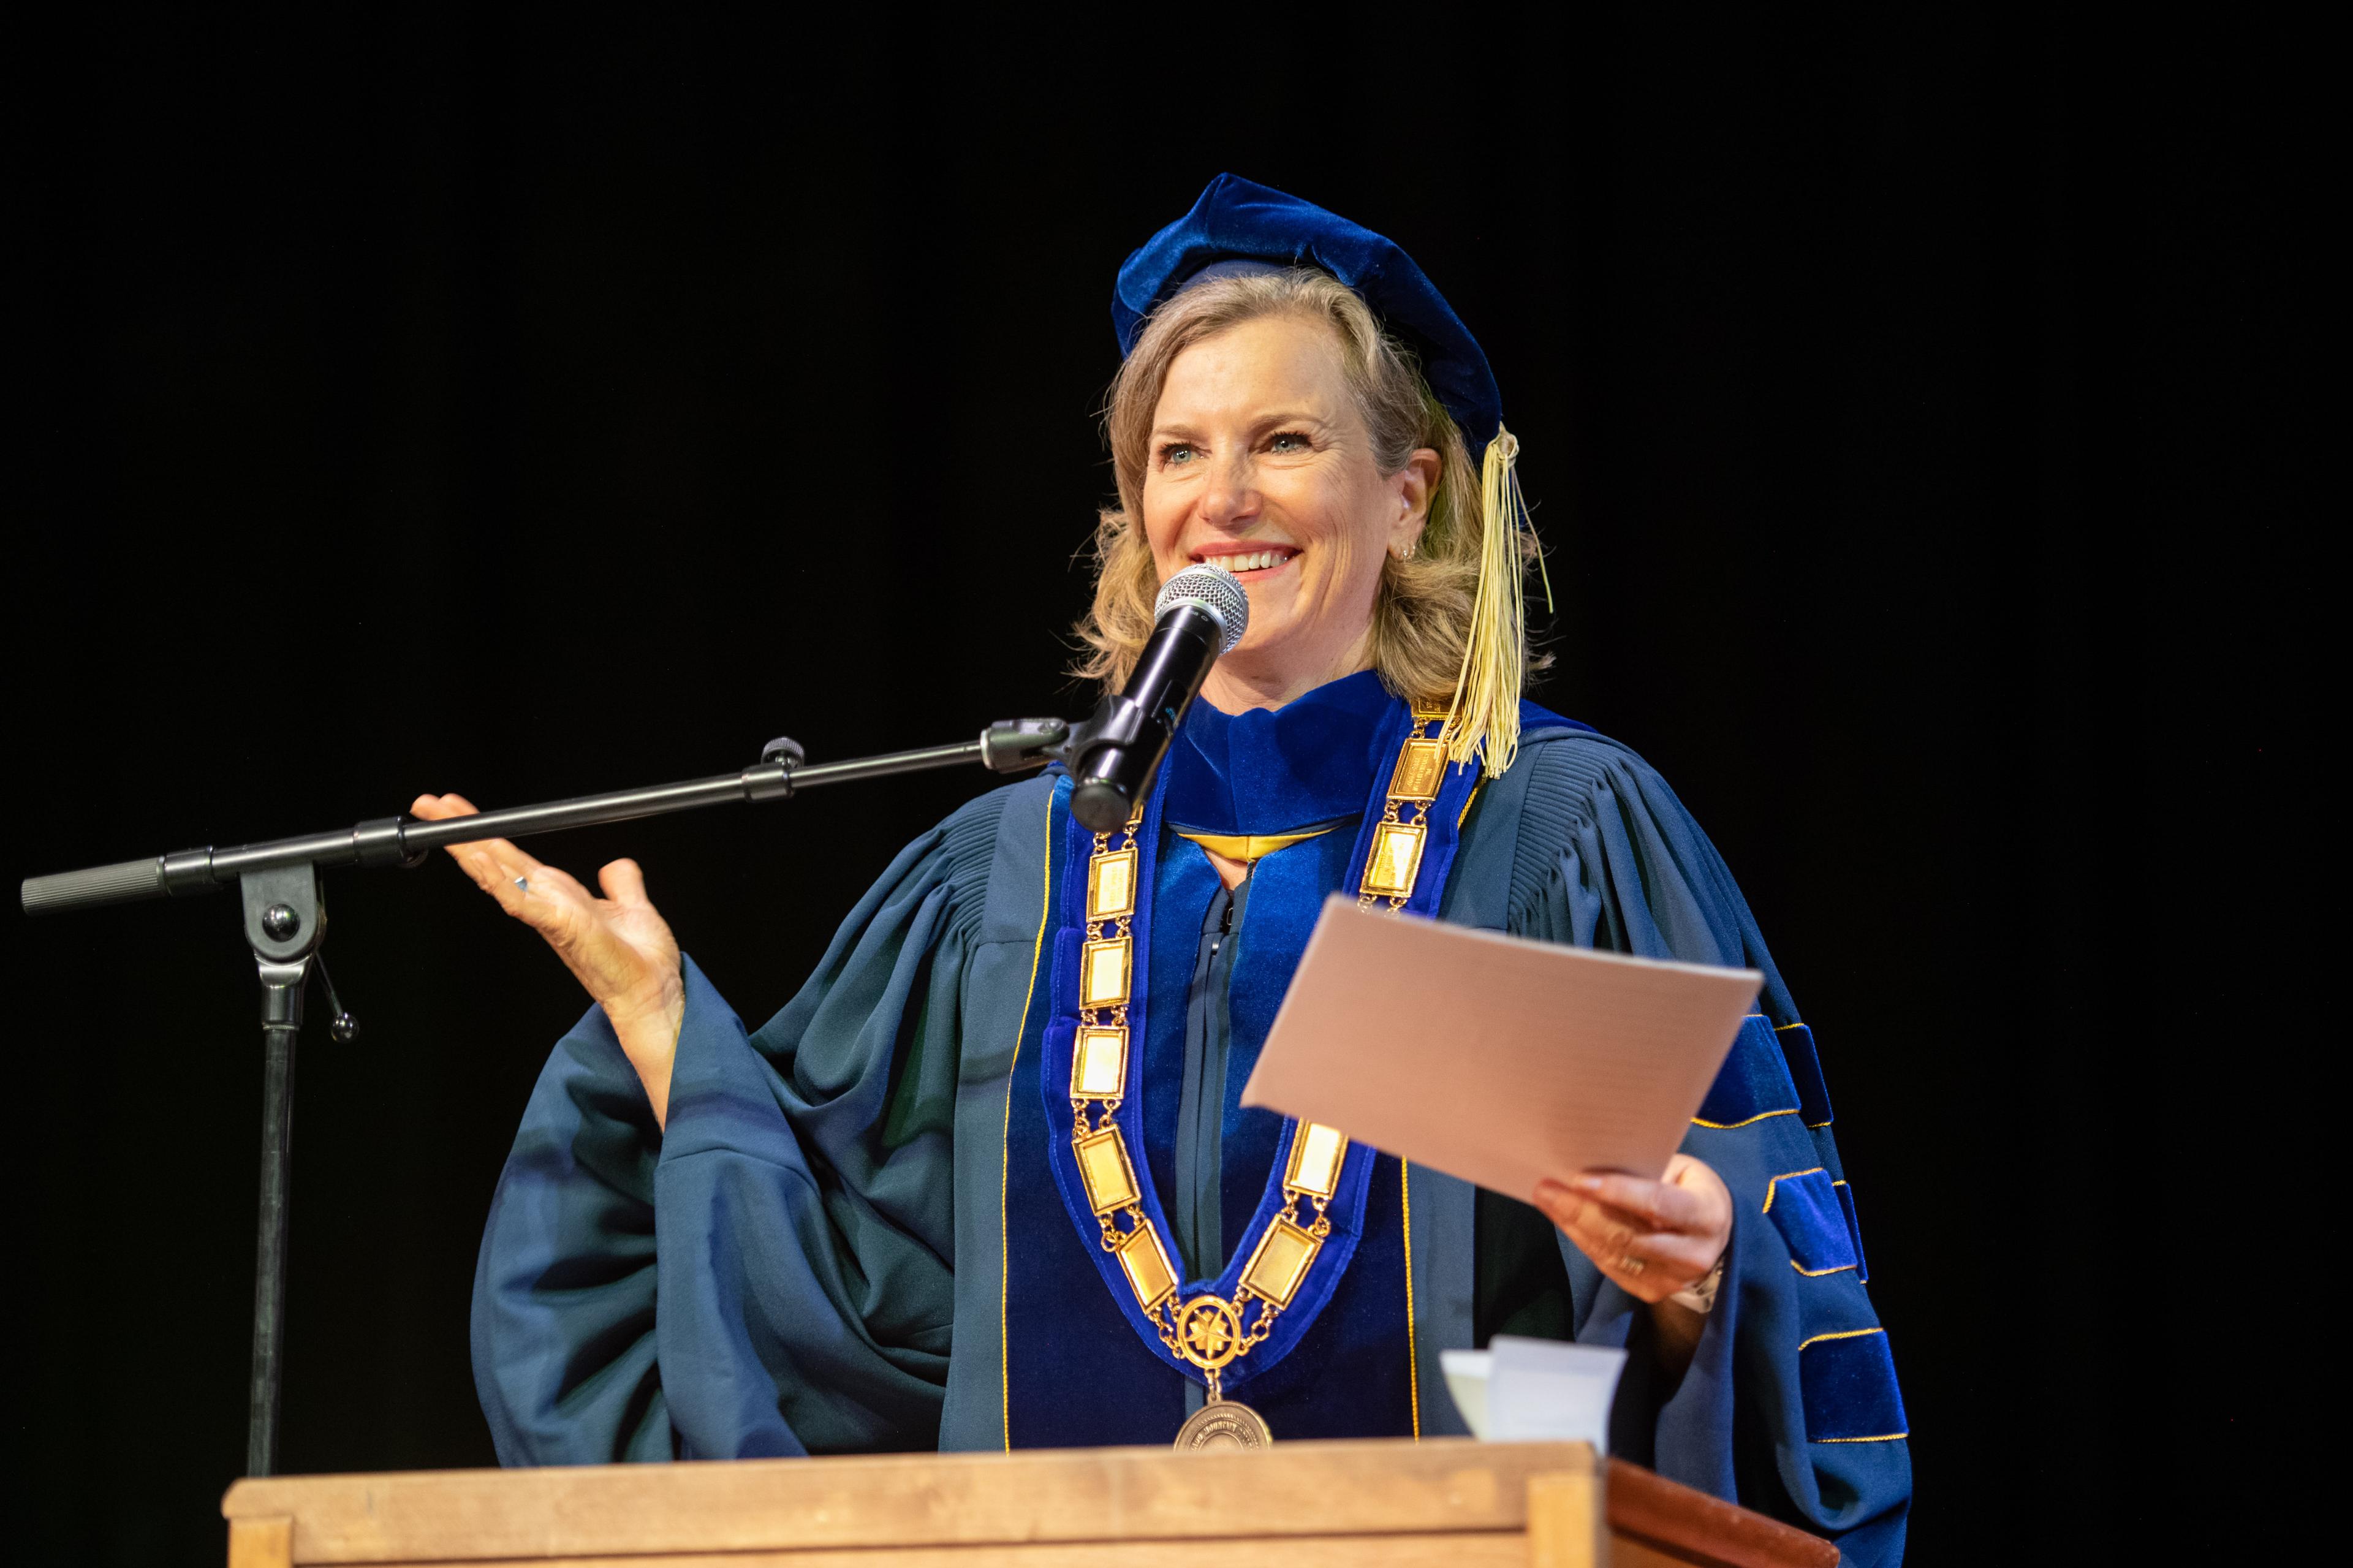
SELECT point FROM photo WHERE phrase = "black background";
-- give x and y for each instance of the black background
(1915, 408)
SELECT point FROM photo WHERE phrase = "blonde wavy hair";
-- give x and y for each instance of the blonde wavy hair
(1449, 625)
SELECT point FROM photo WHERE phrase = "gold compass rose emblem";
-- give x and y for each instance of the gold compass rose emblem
(1209, 1333)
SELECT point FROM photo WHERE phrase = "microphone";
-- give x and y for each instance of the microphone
(1200, 614)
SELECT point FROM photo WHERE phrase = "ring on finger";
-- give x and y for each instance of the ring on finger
(523, 884)
(1629, 1264)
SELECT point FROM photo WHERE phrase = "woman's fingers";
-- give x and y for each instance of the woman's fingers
(1602, 1206)
(1651, 1238)
(579, 925)
(618, 947)
(550, 901)
(1691, 1255)
(436, 807)
(1661, 1205)
(624, 883)
(477, 855)
(652, 951)
(497, 866)
(1593, 1225)
(510, 876)
(1608, 1228)
(1615, 1241)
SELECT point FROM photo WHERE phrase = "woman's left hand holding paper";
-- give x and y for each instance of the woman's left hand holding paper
(1652, 1238)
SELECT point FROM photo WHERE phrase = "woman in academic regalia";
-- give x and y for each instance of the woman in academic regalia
(974, 1188)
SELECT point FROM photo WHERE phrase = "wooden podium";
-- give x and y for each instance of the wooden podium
(1317, 1505)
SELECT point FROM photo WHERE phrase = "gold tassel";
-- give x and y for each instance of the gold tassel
(1487, 693)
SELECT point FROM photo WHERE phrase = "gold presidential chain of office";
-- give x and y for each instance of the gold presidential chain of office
(1209, 1332)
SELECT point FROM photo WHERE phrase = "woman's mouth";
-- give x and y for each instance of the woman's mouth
(1243, 563)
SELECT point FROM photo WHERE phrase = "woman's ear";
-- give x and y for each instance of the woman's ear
(1413, 484)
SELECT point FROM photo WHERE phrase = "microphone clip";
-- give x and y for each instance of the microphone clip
(1114, 755)
(1017, 745)
(1093, 749)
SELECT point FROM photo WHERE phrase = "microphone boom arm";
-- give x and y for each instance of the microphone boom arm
(1010, 747)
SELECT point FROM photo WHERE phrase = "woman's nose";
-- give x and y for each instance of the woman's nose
(1231, 500)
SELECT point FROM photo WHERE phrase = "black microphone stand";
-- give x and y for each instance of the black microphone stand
(285, 920)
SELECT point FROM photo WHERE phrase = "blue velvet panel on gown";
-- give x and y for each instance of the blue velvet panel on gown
(846, 1240)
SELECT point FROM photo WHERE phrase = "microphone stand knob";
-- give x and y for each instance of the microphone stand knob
(342, 1026)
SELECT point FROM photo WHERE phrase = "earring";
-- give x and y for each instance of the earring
(1404, 555)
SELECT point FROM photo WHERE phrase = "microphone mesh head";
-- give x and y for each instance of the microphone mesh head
(1216, 590)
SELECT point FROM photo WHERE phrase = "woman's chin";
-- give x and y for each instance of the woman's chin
(1278, 669)
(1270, 645)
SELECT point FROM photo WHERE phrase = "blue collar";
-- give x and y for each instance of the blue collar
(1271, 771)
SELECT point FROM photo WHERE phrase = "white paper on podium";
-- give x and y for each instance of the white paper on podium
(1493, 1058)
(1543, 1392)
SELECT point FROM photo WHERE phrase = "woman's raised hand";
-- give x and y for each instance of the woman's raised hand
(1651, 1238)
(618, 947)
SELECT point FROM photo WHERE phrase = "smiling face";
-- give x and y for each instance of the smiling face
(1260, 461)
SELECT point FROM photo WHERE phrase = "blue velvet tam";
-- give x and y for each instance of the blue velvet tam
(1241, 227)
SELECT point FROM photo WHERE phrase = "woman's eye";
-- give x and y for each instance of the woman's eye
(1288, 441)
(1175, 452)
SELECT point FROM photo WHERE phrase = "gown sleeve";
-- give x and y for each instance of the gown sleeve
(773, 1274)
(1609, 858)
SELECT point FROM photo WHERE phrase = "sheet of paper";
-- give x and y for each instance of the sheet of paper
(1542, 1391)
(1531, 1391)
(1496, 1059)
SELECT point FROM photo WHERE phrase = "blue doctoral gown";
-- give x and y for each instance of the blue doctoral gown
(848, 1238)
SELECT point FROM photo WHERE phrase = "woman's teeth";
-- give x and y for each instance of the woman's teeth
(1253, 562)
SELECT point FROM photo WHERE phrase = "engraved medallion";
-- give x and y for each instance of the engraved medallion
(1420, 771)
(1222, 1426)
